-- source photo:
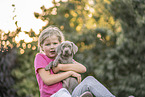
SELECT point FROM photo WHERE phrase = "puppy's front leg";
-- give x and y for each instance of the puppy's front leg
(49, 66)
(56, 61)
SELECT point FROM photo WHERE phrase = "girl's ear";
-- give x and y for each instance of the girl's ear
(74, 48)
(58, 49)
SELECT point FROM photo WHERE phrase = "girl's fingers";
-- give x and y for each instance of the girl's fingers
(79, 79)
(78, 76)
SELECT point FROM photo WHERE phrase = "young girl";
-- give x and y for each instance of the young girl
(50, 82)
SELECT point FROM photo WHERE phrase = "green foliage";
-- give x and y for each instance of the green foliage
(8, 57)
(25, 73)
(7, 63)
(17, 66)
(124, 64)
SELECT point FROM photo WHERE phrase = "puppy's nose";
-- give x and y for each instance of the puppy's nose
(66, 51)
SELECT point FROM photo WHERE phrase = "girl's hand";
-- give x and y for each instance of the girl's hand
(56, 69)
(77, 75)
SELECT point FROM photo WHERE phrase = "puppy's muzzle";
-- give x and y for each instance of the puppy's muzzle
(66, 51)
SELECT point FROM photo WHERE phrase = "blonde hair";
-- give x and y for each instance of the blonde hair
(48, 32)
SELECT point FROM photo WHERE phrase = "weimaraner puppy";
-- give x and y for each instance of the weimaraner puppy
(65, 52)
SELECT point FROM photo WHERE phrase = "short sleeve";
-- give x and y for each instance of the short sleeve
(40, 62)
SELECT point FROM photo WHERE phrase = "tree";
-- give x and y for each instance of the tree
(124, 64)
(26, 82)
(8, 56)
(17, 65)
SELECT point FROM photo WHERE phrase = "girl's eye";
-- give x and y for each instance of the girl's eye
(47, 44)
(55, 43)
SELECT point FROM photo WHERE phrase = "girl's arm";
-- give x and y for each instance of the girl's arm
(50, 79)
(77, 67)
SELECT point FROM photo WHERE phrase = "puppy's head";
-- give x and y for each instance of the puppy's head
(66, 48)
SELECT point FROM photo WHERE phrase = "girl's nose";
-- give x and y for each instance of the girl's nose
(52, 46)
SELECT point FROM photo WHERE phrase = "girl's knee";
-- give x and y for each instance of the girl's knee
(63, 90)
(89, 78)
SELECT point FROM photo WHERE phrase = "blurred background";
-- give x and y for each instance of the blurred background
(110, 35)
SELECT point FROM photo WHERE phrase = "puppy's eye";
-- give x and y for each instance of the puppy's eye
(63, 46)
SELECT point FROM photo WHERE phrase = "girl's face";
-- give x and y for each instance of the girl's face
(49, 45)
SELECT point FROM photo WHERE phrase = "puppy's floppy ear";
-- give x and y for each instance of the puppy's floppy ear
(74, 48)
(58, 49)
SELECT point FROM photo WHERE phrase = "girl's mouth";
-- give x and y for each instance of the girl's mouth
(53, 51)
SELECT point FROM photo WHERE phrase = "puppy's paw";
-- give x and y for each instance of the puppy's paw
(47, 67)
(55, 64)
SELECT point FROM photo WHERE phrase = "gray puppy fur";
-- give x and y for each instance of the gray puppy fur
(65, 52)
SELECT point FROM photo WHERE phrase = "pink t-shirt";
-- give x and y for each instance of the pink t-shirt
(41, 61)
